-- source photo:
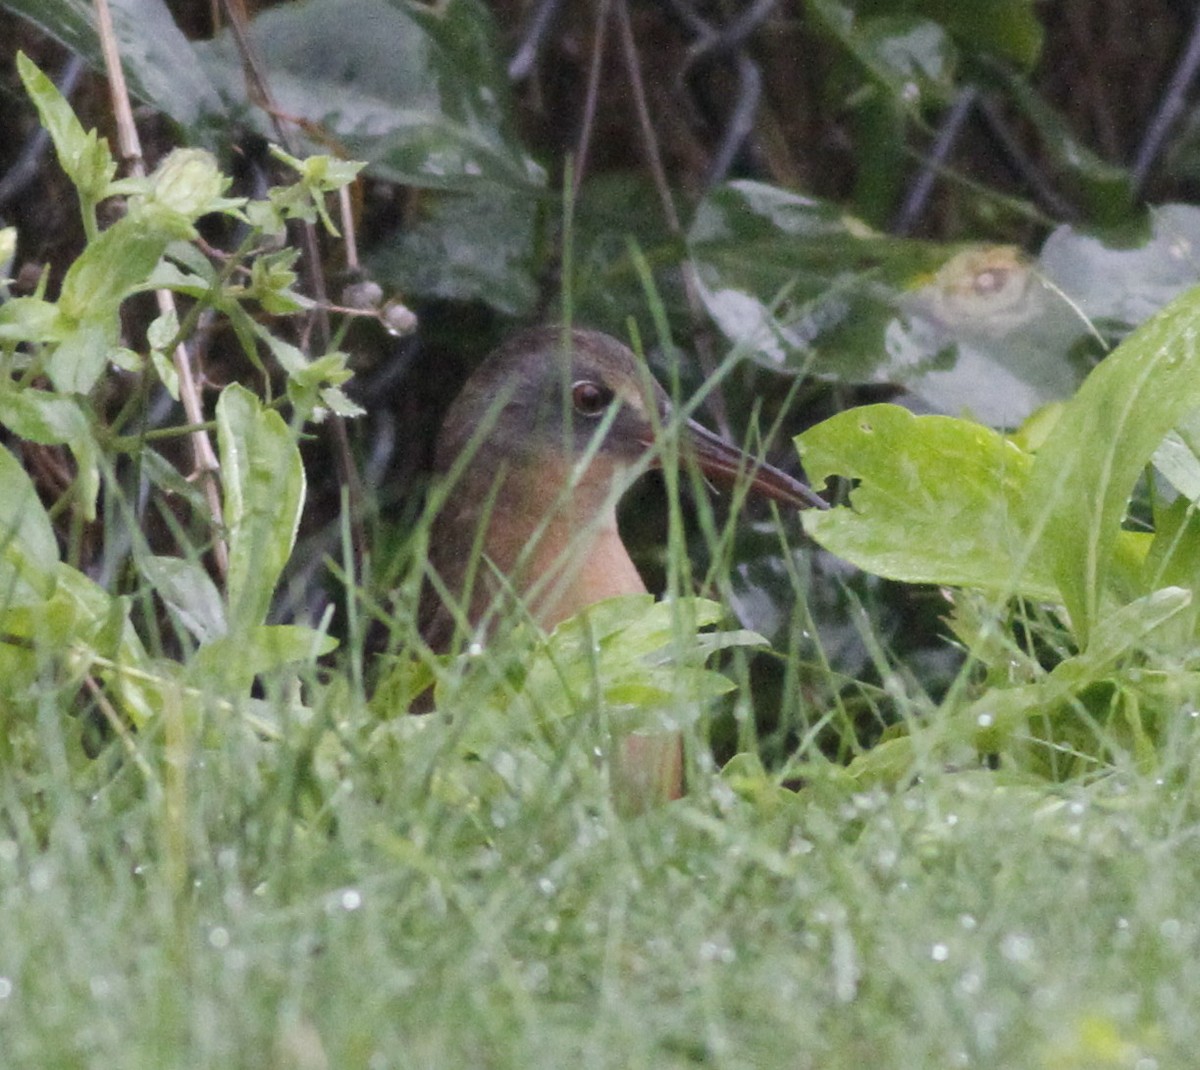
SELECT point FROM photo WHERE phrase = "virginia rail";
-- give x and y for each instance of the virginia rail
(540, 445)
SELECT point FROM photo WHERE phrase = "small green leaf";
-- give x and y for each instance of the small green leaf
(28, 548)
(189, 593)
(29, 319)
(51, 419)
(189, 183)
(83, 156)
(263, 478)
(231, 662)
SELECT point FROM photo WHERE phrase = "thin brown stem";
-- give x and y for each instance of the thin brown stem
(204, 458)
(260, 91)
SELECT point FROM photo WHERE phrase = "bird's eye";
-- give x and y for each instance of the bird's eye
(590, 399)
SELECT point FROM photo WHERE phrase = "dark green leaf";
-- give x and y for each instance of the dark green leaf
(416, 91)
(160, 64)
(475, 246)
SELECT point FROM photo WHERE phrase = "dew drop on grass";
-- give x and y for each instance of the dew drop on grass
(985, 720)
(546, 886)
(218, 938)
(967, 921)
(939, 952)
(970, 983)
(41, 877)
(351, 899)
(6, 988)
(1017, 947)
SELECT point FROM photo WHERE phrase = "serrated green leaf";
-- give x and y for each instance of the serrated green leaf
(936, 500)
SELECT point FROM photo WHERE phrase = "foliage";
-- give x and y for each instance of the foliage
(61, 629)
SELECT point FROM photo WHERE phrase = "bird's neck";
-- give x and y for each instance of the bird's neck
(559, 552)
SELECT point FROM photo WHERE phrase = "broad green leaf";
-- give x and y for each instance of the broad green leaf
(416, 91)
(1118, 280)
(935, 500)
(1104, 437)
(803, 287)
(263, 478)
(878, 46)
(160, 64)
(476, 246)
(912, 56)
(28, 548)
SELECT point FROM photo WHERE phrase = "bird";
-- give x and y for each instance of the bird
(535, 453)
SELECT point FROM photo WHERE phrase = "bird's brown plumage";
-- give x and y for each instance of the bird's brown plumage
(536, 451)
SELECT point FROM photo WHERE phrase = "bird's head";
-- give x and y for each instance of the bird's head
(542, 398)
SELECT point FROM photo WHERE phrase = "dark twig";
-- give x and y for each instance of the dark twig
(712, 41)
(740, 124)
(1029, 171)
(715, 41)
(918, 195)
(531, 41)
(1169, 109)
(599, 39)
(659, 174)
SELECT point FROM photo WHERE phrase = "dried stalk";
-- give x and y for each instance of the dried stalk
(129, 147)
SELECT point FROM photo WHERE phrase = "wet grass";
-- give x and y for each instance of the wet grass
(350, 897)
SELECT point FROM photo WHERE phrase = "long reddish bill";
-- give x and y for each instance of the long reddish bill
(726, 463)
